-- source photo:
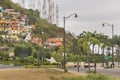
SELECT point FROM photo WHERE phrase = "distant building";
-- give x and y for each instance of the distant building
(14, 25)
(37, 40)
(51, 42)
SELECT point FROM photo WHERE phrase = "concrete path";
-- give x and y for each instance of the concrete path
(8, 66)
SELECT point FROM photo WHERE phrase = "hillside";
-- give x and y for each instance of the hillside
(51, 30)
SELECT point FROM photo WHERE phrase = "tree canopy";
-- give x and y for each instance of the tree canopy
(22, 50)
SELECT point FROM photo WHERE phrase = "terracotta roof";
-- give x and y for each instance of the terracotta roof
(57, 41)
(54, 40)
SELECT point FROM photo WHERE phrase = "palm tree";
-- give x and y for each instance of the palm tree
(94, 41)
(85, 42)
(104, 44)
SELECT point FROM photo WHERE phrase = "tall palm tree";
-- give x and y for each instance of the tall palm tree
(104, 44)
(85, 42)
(94, 41)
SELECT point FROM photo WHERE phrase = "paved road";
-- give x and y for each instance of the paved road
(8, 66)
(115, 72)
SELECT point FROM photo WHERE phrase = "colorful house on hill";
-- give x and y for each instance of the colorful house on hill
(51, 42)
(15, 25)
(11, 29)
(37, 40)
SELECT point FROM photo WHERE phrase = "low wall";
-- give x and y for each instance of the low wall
(83, 64)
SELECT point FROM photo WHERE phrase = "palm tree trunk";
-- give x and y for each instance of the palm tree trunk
(103, 56)
(88, 60)
(93, 52)
(94, 59)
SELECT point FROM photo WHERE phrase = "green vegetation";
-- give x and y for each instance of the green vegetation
(31, 55)
(22, 50)
(30, 49)
(78, 49)
(88, 77)
(51, 30)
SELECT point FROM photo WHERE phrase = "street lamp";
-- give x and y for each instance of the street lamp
(64, 18)
(112, 26)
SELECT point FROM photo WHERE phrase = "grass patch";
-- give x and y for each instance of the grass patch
(48, 66)
(98, 77)
(89, 77)
(107, 67)
(91, 71)
(33, 74)
(47, 74)
(41, 66)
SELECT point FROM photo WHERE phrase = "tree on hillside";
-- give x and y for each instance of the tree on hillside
(58, 56)
(22, 50)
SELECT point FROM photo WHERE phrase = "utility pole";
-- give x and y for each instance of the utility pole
(112, 26)
(64, 58)
(44, 9)
(49, 11)
(39, 6)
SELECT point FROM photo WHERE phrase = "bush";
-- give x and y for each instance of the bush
(48, 66)
(46, 63)
(55, 63)
(66, 70)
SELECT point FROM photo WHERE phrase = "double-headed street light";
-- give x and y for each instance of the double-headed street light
(112, 26)
(64, 18)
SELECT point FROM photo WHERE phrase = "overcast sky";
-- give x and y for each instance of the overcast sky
(91, 15)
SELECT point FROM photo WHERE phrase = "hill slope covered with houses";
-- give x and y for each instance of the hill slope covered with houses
(28, 23)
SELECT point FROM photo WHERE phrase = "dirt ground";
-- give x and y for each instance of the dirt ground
(33, 74)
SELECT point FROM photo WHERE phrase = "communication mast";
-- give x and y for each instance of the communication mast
(44, 9)
(30, 4)
(39, 6)
(53, 11)
(33, 4)
(49, 11)
(57, 15)
(23, 3)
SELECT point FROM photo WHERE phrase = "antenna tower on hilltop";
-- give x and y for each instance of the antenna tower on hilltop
(44, 9)
(57, 14)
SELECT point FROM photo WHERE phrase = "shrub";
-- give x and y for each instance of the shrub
(46, 63)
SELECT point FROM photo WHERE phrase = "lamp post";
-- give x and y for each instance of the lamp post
(64, 18)
(112, 26)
